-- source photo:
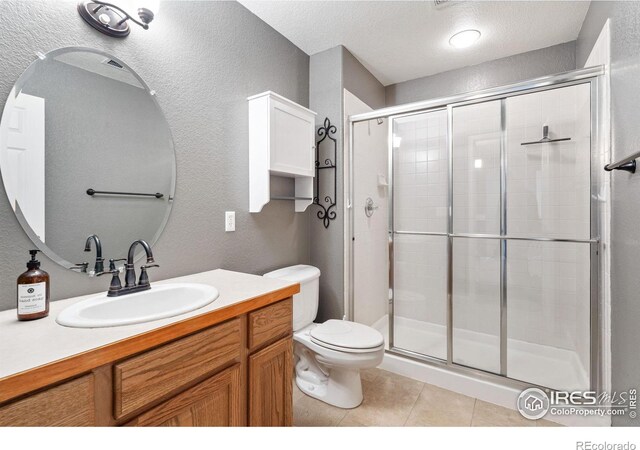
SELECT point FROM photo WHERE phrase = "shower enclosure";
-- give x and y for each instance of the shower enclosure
(487, 220)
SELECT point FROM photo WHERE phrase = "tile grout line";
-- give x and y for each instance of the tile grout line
(414, 405)
(473, 411)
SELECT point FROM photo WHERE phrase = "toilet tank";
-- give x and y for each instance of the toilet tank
(305, 304)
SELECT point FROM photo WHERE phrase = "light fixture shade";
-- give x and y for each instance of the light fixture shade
(151, 5)
(132, 6)
(464, 39)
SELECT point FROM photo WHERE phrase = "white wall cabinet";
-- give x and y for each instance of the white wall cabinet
(281, 143)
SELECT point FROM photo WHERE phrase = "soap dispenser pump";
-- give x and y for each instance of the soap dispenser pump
(33, 291)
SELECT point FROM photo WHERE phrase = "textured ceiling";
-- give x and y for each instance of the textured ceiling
(403, 40)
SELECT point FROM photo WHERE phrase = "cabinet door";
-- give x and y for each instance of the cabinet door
(292, 150)
(270, 378)
(213, 403)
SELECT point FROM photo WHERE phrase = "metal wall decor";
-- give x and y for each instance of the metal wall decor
(327, 212)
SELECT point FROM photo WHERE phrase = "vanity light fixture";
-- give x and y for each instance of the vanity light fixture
(464, 39)
(113, 20)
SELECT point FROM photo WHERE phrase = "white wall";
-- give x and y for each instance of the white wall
(371, 250)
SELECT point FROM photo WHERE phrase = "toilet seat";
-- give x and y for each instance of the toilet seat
(346, 336)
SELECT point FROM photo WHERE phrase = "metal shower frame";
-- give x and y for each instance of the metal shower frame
(593, 77)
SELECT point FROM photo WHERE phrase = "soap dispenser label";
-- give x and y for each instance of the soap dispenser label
(32, 298)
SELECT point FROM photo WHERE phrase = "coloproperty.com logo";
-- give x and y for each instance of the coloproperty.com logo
(534, 403)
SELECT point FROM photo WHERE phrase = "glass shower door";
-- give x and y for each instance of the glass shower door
(476, 260)
(549, 282)
(420, 226)
(522, 249)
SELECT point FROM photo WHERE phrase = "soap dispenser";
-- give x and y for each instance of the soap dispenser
(33, 291)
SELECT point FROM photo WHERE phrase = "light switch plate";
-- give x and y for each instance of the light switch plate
(230, 221)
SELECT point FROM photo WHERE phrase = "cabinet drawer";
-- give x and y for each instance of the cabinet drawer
(67, 405)
(270, 323)
(150, 376)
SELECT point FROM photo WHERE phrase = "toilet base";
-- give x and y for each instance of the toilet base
(345, 393)
(336, 386)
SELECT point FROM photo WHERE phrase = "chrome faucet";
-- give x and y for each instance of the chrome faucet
(99, 266)
(116, 289)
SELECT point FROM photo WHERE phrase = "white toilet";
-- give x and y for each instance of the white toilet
(328, 356)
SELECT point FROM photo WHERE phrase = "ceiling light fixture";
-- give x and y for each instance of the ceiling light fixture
(464, 39)
(112, 20)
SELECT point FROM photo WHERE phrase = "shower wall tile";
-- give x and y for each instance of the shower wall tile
(548, 185)
(476, 168)
(476, 302)
(420, 278)
(421, 172)
(547, 289)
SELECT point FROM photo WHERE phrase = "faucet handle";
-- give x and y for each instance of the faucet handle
(112, 263)
(115, 285)
(113, 272)
(82, 267)
(144, 278)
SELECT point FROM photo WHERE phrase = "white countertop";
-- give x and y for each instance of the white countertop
(29, 344)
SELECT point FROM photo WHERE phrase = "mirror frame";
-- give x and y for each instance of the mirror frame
(46, 250)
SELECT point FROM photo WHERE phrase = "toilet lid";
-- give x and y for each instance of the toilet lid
(346, 335)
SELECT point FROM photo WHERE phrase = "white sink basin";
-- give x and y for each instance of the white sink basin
(159, 302)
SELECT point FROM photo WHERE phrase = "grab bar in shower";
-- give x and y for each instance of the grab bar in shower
(628, 164)
(545, 138)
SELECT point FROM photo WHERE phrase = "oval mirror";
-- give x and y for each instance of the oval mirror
(86, 150)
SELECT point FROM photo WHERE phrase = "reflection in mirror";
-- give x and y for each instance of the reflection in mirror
(81, 137)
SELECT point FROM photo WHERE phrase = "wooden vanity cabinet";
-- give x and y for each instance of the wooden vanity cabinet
(271, 365)
(215, 402)
(270, 385)
(235, 373)
(69, 404)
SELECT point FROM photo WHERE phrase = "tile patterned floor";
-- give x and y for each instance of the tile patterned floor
(394, 400)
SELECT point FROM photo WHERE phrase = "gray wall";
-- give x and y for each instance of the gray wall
(202, 70)
(536, 63)
(360, 82)
(330, 72)
(625, 216)
(326, 246)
